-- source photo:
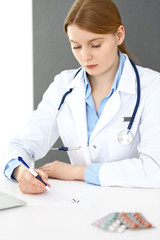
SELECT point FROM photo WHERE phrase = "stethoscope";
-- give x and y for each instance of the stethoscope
(125, 137)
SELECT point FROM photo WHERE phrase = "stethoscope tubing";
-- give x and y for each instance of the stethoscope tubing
(127, 131)
(138, 96)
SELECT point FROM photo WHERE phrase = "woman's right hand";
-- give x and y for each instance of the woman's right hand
(27, 182)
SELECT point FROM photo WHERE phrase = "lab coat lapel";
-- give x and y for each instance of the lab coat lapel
(110, 110)
(128, 85)
(76, 102)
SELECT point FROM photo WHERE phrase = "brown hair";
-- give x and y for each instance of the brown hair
(97, 16)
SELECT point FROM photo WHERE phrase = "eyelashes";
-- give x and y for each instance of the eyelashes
(93, 46)
(96, 46)
(76, 47)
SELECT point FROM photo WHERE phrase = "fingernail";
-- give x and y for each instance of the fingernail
(46, 180)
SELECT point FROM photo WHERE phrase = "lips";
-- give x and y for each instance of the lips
(91, 66)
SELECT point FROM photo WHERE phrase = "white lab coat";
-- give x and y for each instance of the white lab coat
(135, 165)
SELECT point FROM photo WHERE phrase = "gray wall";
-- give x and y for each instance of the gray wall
(142, 21)
(51, 53)
(51, 50)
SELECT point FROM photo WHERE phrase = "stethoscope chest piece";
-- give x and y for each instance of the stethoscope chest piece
(125, 137)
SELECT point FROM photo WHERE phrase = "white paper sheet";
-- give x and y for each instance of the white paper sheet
(63, 193)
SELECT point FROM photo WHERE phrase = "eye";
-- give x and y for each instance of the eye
(78, 47)
(96, 46)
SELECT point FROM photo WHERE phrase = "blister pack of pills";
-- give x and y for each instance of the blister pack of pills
(134, 220)
(119, 222)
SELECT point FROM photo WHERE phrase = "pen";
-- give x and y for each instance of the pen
(31, 170)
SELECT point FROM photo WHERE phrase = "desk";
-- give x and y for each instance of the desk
(73, 223)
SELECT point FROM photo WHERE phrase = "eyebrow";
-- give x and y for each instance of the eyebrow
(94, 39)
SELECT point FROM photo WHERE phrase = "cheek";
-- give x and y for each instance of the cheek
(114, 48)
(76, 55)
(109, 52)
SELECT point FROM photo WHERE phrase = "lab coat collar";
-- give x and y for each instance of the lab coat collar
(128, 81)
(127, 84)
(77, 78)
(76, 101)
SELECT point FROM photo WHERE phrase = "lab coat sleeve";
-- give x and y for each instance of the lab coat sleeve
(9, 168)
(143, 171)
(31, 143)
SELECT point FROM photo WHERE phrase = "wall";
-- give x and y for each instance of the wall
(52, 52)
(16, 74)
(142, 21)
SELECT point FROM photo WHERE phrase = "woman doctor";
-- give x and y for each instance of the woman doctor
(95, 112)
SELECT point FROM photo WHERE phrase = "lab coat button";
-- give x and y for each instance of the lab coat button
(94, 146)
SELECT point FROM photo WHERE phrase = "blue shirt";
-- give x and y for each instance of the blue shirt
(92, 171)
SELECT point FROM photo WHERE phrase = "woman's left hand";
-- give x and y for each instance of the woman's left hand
(64, 171)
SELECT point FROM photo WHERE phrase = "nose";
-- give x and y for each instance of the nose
(86, 54)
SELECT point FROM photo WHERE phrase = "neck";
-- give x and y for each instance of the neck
(106, 79)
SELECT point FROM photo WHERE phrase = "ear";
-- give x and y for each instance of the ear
(120, 34)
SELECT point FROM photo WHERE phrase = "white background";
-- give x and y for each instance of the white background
(16, 77)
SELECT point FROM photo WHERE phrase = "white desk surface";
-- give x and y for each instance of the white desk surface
(53, 222)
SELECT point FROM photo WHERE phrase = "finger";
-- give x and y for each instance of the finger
(46, 171)
(44, 168)
(28, 187)
(43, 175)
(31, 179)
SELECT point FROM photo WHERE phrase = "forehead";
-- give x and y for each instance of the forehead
(79, 35)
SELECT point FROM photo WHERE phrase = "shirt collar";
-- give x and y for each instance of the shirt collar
(122, 59)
